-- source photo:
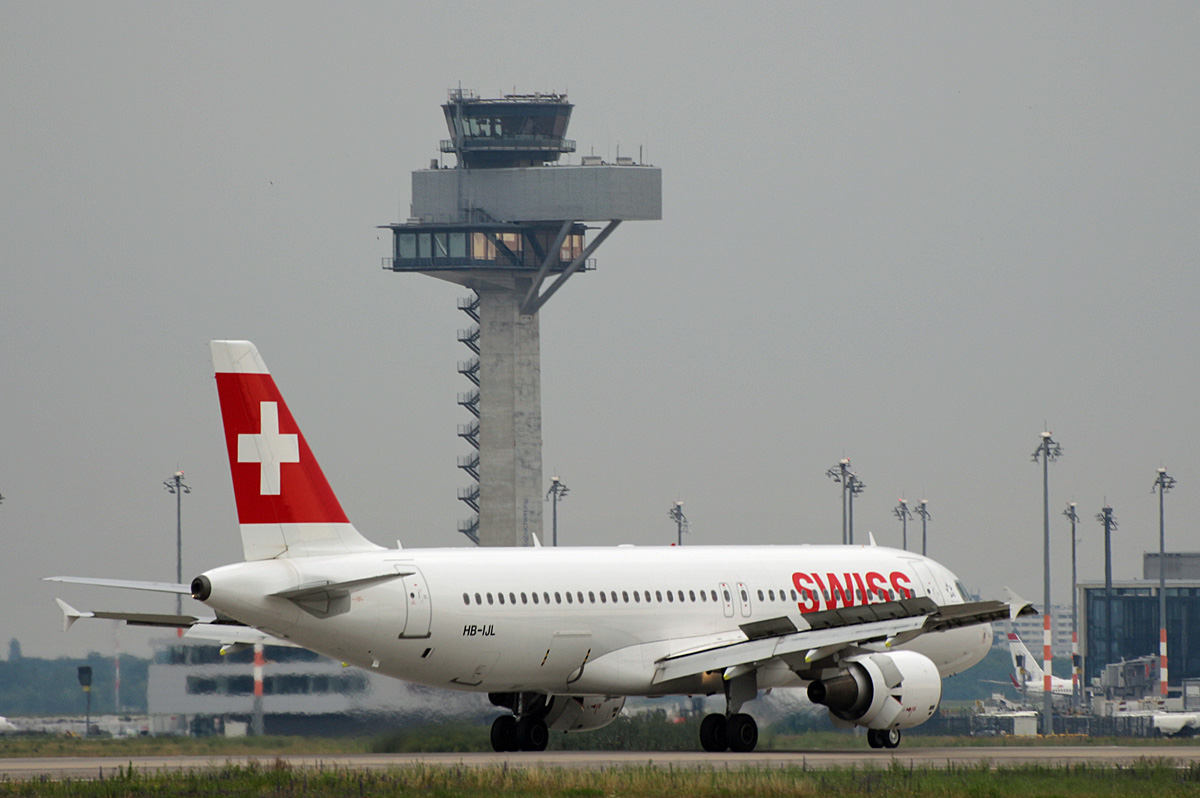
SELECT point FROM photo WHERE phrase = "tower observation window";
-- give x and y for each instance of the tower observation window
(440, 246)
(406, 245)
(424, 250)
(458, 245)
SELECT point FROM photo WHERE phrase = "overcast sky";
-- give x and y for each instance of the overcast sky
(907, 234)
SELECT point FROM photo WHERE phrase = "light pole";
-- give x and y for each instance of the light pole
(681, 522)
(558, 491)
(840, 473)
(1075, 674)
(902, 512)
(1105, 516)
(175, 485)
(1162, 484)
(854, 486)
(923, 511)
(1047, 451)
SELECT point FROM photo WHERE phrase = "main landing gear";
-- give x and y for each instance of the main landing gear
(525, 729)
(737, 732)
(883, 738)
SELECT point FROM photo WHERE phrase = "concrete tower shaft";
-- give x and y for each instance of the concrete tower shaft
(501, 223)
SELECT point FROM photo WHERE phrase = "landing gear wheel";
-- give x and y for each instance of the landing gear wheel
(532, 734)
(890, 737)
(874, 738)
(504, 734)
(741, 732)
(712, 734)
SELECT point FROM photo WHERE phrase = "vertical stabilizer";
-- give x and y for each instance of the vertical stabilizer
(284, 503)
(1026, 670)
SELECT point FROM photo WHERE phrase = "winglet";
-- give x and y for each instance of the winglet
(537, 544)
(70, 614)
(1018, 606)
(871, 536)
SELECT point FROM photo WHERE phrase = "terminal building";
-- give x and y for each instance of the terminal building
(193, 689)
(1130, 629)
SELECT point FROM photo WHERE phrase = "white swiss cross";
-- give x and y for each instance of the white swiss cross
(269, 448)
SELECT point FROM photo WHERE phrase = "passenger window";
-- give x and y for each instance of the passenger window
(658, 595)
(647, 595)
(727, 596)
(771, 595)
(568, 596)
(703, 596)
(466, 599)
(557, 597)
(501, 597)
(614, 597)
(625, 596)
(478, 600)
(680, 594)
(579, 595)
(524, 599)
(512, 599)
(744, 596)
(793, 595)
(489, 595)
(592, 597)
(692, 595)
(637, 597)
(535, 598)
(713, 593)
(545, 597)
(670, 597)
(761, 597)
(603, 597)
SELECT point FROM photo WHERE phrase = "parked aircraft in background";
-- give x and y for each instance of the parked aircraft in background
(560, 637)
(1028, 676)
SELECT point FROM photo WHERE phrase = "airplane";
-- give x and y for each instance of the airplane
(560, 637)
(1028, 677)
(5, 726)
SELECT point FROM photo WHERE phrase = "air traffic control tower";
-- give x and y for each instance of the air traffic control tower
(510, 222)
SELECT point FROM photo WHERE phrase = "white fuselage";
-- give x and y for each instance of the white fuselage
(575, 620)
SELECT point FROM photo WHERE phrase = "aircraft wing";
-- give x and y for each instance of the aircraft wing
(830, 632)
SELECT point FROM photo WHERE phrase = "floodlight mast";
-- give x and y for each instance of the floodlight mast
(840, 473)
(854, 486)
(681, 522)
(923, 511)
(1047, 451)
(1076, 682)
(558, 491)
(902, 512)
(1162, 483)
(1106, 517)
(176, 486)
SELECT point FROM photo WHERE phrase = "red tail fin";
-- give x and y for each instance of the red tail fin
(285, 505)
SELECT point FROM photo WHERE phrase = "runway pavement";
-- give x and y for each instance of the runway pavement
(25, 768)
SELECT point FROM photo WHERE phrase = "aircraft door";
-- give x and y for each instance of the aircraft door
(743, 594)
(726, 599)
(928, 581)
(417, 605)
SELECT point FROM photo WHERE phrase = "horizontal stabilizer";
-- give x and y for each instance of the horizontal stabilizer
(128, 584)
(71, 615)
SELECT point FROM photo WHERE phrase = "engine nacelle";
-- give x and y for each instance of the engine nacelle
(583, 713)
(897, 690)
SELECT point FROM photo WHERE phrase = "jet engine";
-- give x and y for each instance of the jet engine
(897, 690)
(583, 713)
